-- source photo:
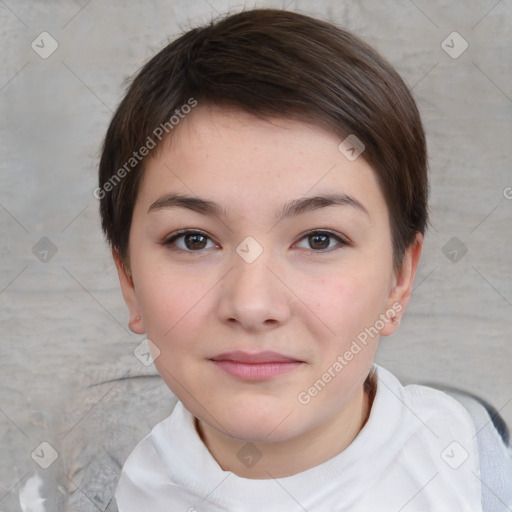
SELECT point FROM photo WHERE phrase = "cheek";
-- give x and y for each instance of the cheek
(348, 301)
(170, 302)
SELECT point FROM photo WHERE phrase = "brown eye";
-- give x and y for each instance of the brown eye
(188, 241)
(195, 241)
(322, 241)
(319, 241)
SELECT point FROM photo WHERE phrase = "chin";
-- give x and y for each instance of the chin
(257, 434)
(261, 425)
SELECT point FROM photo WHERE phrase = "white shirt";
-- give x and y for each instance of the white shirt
(417, 452)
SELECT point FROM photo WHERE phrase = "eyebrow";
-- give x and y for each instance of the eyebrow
(290, 209)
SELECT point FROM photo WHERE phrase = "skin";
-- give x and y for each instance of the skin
(302, 297)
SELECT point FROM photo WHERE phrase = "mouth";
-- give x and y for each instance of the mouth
(256, 366)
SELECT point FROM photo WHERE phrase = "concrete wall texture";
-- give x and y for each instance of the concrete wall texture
(63, 66)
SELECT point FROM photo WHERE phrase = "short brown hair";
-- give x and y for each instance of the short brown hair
(274, 63)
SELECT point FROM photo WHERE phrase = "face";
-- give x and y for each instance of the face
(251, 290)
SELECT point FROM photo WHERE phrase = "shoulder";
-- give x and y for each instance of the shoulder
(472, 431)
(113, 408)
(143, 466)
(495, 452)
(426, 406)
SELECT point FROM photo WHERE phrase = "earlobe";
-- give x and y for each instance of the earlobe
(135, 323)
(400, 295)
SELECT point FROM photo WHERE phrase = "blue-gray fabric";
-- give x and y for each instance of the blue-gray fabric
(495, 458)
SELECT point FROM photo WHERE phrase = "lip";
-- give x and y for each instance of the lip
(255, 358)
(255, 366)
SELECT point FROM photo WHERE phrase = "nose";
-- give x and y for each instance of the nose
(254, 294)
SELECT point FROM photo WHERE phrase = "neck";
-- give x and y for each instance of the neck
(279, 459)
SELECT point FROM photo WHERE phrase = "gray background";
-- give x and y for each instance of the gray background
(62, 315)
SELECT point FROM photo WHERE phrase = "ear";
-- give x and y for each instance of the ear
(400, 293)
(135, 323)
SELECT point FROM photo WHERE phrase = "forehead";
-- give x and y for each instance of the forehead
(244, 160)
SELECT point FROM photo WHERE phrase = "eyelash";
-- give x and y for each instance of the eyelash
(169, 242)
